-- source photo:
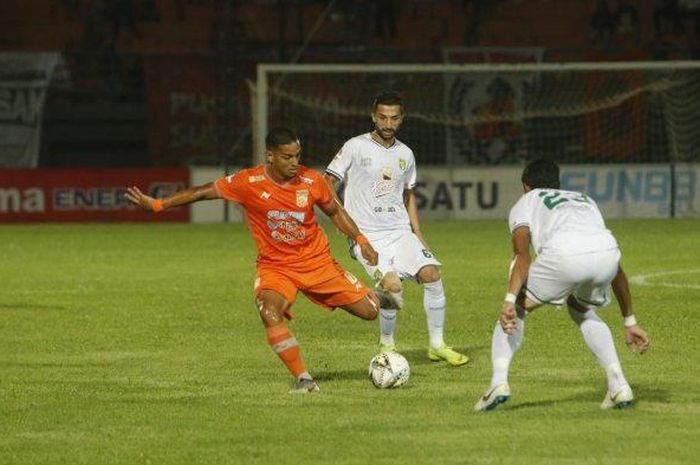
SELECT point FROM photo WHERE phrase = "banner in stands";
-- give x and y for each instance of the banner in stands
(194, 107)
(621, 191)
(488, 102)
(86, 194)
(24, 80)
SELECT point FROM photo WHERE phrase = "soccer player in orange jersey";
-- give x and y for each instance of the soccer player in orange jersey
(293, 251)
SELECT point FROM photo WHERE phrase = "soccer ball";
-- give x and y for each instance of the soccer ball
(389, 370)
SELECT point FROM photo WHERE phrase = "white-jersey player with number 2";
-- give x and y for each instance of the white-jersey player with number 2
(379, 172)
(578, 259)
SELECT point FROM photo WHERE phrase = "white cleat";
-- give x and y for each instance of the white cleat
(491, 398)
(622, 398)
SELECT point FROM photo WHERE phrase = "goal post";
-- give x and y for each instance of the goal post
(493, 114)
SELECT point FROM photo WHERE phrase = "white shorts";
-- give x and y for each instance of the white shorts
(402, 253)
(552, 278)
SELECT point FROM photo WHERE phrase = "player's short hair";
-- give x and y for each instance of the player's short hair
(388, 97)
(280, 136)
(541, 173)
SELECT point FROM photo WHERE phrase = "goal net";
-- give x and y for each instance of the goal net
(487, 114)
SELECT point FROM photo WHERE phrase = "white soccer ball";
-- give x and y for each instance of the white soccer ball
(389, 370)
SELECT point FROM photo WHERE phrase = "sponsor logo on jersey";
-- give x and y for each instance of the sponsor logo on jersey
(265, 195)
(402, 164)
(302, 198)
(306, 180)
(366, 161)
(382, 187)
(256, 178)
(286, 226)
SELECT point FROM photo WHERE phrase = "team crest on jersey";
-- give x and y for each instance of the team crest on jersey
(402, 164)
(302, 198)
(256, 178)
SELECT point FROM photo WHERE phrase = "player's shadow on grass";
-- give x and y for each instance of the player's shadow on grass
(642, 393)
(337, 375)
(418, 356)
(26, 306)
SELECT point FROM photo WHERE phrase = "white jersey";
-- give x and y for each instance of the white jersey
(564, 222)
(375, 178)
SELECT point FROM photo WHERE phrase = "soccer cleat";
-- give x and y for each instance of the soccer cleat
(446, 353)
(491, 398)
(387, 348)
(304, 385)
(621, 399)
(388, 301)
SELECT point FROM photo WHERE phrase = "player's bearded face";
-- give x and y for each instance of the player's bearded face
(284, 160)
(387, 119)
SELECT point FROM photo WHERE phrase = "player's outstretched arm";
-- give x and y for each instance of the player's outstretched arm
(636, 338)
(193, 194)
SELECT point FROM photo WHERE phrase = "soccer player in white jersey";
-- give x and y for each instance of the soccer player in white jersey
(379, 172)
(577, 261)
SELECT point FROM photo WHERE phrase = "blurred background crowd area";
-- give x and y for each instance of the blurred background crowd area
(571, 29)
(168, 82)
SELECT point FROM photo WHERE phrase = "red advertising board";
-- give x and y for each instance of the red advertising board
(86, 194)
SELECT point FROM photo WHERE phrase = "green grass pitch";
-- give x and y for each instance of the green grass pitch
(139, 344)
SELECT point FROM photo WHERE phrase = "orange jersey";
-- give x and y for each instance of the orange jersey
(281, 216)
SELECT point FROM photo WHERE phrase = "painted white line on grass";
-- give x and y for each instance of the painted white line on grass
(642, 280)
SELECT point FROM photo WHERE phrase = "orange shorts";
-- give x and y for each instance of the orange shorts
(329, 286)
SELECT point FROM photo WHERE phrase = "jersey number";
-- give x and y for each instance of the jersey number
(551, 200)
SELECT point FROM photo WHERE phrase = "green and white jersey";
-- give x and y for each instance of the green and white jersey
(563, 222)
(375, 178)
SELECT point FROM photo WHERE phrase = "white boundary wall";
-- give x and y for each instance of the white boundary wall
(622, 191)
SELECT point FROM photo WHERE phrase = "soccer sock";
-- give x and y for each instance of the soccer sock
(285, 345)
(503, 347)
(387, 324)
(599, 339)
(434, 304)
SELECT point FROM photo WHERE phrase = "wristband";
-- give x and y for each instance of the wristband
(510, 297)
(157, 205)
(361, 239)
(629, 321)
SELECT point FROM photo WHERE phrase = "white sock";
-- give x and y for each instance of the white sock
(599, 339)
(387, 324)
(434, 305)
(503, 347)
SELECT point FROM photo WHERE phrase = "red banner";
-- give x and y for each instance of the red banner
(87, 194)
